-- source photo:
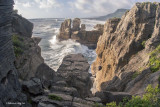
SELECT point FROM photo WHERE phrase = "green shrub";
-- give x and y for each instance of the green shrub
(112, 104)
(143, 44)
(18, 45)
(149, 99)
(154, 61)
(54, 97)
(135, 75)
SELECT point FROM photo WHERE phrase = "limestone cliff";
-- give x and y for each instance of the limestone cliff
(124, 48)
(10, 88)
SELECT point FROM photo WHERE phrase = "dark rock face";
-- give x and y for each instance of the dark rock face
(66, 101)
(33, 86)
(28, 63)
(74, 69)
(88, 38)
(10, 88)
(46, 74)
(21, 26)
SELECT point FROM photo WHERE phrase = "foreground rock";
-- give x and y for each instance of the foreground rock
(61, 100)
(108, 97)
(33, 86)
(88, 38)
(123, 50)
(74, 69)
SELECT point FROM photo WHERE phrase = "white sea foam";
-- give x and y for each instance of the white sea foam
(54, 51)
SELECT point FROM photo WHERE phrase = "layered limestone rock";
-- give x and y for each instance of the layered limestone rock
(28, 62)
(10, 88)
(121, 52)
(76, 24)
(30, 57)
(65, 30)
(74, 70)
(88, 38)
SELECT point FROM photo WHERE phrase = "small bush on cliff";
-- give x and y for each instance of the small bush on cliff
(54, 97)
(149, 99)
(17, 45)
(135, 75)
(154, 61)
(112, 104)
(143, 44)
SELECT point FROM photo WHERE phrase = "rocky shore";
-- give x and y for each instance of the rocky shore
(127, 61)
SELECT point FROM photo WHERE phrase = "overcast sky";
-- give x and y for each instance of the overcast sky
(71, 8)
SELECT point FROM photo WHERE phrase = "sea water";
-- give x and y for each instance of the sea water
(54, 51)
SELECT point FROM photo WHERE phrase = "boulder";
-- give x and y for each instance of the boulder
(108, 97)
(76, 24)
(46, 74)
(74, 69)
(33, 86)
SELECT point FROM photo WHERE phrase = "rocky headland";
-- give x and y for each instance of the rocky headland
(78, 32)
(127, 60)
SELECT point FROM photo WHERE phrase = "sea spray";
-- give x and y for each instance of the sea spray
(53, 51)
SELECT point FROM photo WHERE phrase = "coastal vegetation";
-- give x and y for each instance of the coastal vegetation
(154, 61)
(149, 99)
(55, 97)
(17, 45)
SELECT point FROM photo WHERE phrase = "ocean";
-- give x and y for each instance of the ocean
(54, 51)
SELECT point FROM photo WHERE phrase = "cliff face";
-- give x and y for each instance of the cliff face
(124, 47)
(10, 89)
(26, 49)
(79, 34)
